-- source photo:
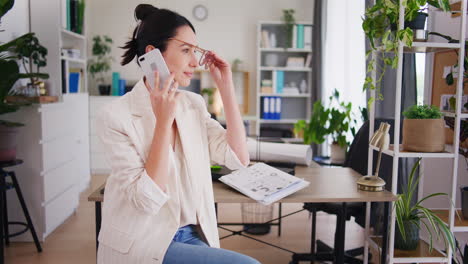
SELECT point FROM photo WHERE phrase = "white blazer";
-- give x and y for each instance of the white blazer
(139, 220)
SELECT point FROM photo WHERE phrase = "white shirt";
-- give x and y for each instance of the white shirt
(188, 212)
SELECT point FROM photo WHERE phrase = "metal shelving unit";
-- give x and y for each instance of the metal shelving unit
(421, 254)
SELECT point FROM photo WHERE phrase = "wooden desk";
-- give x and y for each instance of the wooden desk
(326, 185)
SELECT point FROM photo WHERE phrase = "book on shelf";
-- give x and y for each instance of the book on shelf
(115, 83)
(297, 62)
(307, 37)
(266, 86)
(265, 39)
(75, 82)
(294, 37)
(308, 60)
(64, 76)
(73, 15)
(263, 183)
(279, 81)
(266, 90)
(300, 36)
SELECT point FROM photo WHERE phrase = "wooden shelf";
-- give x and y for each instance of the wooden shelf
(44, 99)
(287, 95)
(72, 34)
(76, 60)
(428, 47)
(408, 154)
(452, 114)
(461, 224)
(298, 69)
(280, 121)
(292, 50)
(421, 254)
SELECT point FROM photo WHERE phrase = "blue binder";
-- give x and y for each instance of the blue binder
(73, 82)
(266, 108)
(278, 108)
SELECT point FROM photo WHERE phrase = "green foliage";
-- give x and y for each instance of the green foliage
(334, 121)
(209, 92)
(289, 22)
(27, 50)
(405, 212)
(377, 23)
(422, 112)
(5, 6)
(101, 61)
(32, 55)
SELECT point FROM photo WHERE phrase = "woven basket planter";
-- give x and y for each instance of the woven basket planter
(424, 135)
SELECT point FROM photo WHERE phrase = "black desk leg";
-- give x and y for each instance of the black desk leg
(383, 257)
(6, 231)
(2, 187)
(313, 235)
(97, 206)
(279, 220)
(340, 248)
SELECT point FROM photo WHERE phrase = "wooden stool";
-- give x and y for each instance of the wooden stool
(4, 223)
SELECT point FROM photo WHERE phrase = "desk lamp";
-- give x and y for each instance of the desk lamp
(381, 140)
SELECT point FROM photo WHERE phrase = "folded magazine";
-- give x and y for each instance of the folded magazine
(264, 183)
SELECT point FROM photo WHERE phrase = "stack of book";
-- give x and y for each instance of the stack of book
(73, 15)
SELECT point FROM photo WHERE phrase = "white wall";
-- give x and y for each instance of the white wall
(230, 28)
(16, 21)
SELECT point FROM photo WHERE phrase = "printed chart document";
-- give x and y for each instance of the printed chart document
(264, 183)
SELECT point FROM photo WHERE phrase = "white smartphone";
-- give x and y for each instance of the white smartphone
(153, 61)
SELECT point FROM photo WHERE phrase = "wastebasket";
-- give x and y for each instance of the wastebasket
(254, 216)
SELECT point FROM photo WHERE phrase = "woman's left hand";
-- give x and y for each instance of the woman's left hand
(220, 70)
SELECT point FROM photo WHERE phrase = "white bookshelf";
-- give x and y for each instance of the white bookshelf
(294, 105)
(421, 254)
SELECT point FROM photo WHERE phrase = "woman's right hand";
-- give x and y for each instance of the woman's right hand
(164, 101)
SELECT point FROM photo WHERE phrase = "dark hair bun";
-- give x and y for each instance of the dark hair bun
(143, 10)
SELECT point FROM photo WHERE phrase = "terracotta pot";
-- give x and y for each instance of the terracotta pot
(337, 153)
(8, 142)
(424, 135)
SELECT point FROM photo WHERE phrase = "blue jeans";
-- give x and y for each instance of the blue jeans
(187, 247)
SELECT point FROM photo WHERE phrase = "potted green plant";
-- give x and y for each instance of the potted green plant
(18, 49)
(377, 24)
(328, 121)
(423, 129)
(32, 56)
(288, 25)
(410, 218)
(100, 63)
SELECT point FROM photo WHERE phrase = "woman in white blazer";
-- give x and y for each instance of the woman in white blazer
(158, 201)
